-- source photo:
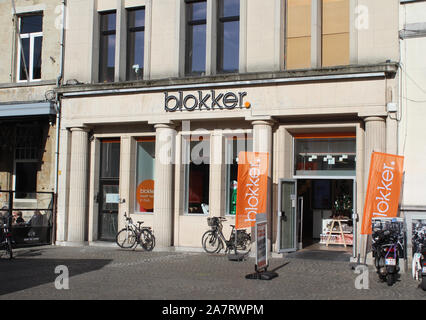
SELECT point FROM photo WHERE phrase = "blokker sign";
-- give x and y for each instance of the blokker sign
(206, 101)
(384, 188)
(252, 187)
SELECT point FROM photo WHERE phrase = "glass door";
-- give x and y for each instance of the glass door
(108, 194)
(287, 215)
(110, 199)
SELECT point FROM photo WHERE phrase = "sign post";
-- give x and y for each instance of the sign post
(262, 264)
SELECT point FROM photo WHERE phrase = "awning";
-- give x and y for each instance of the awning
(27, 109)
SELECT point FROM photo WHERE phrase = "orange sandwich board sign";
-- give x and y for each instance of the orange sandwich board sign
(383, 190)
(252, 188)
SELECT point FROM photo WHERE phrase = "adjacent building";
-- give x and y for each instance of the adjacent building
(30, 69)
(412, 111)
(159, 97)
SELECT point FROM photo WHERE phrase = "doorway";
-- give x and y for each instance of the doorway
(306, 210)
(108, 194)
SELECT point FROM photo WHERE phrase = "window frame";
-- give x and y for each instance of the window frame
(104, 34)
(132, 31)
(186, 157)
(31, 36)
(137, 141)
(189, 24)
(234, 136)
(220, 21)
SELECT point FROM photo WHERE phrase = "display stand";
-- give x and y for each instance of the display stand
(330, 232)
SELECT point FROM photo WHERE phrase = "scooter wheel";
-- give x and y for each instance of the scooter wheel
(390, 279)
(423, 284)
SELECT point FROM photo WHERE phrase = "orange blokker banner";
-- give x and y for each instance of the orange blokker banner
(384, 188)
(252, 187)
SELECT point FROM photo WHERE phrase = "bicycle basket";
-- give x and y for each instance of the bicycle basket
(212, 222)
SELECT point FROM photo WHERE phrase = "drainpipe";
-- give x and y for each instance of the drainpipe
(58, 107)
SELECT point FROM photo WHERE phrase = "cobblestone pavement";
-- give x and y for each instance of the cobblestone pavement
(112, 273)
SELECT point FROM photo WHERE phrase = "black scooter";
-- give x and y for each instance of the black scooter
(386, 252)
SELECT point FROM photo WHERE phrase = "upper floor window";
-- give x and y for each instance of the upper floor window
(335, 32)
(135, 43)
(29, 47)
(196, 19)
(228, 36)
(331, 41)
(107, 46)
(298, 39)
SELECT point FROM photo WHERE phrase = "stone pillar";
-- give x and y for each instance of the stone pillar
(164, 184)
(78, 188)
(262, 138)
(375, 140)
(262, 142)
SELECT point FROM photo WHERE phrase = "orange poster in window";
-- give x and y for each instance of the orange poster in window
(145, 195)
(384, 188)
(252, 187)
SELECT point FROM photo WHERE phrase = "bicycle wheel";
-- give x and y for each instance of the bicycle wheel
(244, 243)
(211, 242)
(8, 248)
(147, 240)
(126, 238)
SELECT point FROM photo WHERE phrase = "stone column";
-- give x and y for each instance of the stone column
(164, 184)
(262, 142)
(262, 138)
(375, 140)
(78, 188)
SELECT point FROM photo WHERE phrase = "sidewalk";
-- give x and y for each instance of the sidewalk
(113, 273)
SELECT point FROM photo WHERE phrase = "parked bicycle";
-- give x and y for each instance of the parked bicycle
(214, 241)
(6, 240)
(132, 235)
(419, 258)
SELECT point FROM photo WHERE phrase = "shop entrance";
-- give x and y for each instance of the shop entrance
(306, 210)
(108, 194)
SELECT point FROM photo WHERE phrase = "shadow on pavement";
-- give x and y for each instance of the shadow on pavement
(22, 273)
(320, 255)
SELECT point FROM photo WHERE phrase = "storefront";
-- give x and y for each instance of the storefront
(167, 153)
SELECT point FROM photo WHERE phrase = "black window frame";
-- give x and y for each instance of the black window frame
(221, 20)
(104, 34)
(132, 30)
(189, 24)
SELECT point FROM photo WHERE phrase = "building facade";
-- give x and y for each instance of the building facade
(159, 97)
(30, 70)
(411, 112)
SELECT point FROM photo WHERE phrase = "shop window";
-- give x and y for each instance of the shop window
(27, 144)
(234, 145)
(110, 159)
(298, 34)
(107, 46)
(196, 19)
(228, 36)
(196, 151)
(335, 32)
(30, 47)
(325, 155)
(145, 169)
(135, 43)
(26, 179)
